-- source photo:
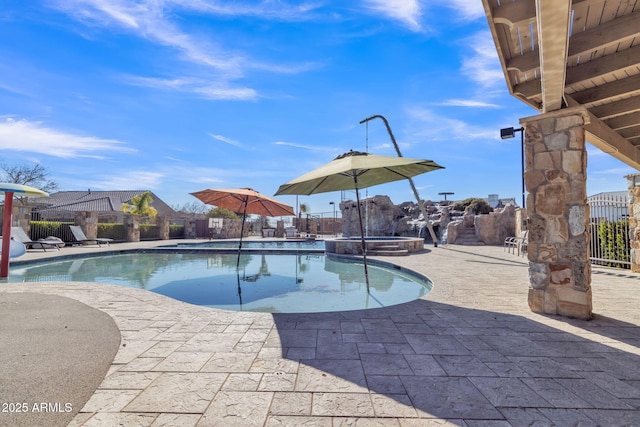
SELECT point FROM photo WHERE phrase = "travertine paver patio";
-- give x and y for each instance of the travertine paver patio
(471, 354)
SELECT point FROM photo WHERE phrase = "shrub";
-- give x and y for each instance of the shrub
(176, 231)
(148, 231)
(222, 213)
(478, 206)
(613, 242)
(113, 231)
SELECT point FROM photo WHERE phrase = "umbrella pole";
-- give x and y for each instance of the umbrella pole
(420, 202)
(364, 245)
(239, 288)
(244, 216)
(6, 234)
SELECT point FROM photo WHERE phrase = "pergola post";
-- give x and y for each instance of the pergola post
(558, 248)
(633, 184)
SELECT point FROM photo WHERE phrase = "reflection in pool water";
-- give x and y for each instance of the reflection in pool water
(256, 244)
(263, 282)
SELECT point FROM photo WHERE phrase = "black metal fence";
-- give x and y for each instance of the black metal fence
(609, 226)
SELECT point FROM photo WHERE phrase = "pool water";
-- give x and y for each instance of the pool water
(263, 282)
(256, 244)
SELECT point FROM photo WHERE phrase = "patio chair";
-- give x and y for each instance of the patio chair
(519, 244)
(290, 232)
(81, 238)
(19, 235)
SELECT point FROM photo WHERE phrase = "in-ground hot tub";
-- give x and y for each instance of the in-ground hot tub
(353, 245)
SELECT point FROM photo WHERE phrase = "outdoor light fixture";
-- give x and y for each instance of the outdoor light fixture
(507, 133)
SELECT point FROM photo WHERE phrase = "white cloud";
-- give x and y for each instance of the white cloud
(468, 103)
(132, 180)
(34, 137)
(225, 140)
(152, 20)
(271, 10)
(437, 128)
(204, 88)
(148, 19)
(482, 65)
(468, 9)
(408, 12)
(294, 145)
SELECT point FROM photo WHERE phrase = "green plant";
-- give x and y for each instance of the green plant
(176, 231)
(613, 241)
(222, 213)
(112, 231)
(479, 206)
(148, 231)
(141, 205)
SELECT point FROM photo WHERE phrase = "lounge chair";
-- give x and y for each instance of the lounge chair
(18, 234)
(81, 238)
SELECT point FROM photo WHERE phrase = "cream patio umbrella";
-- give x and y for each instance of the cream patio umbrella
(356, 170)
(9, 189)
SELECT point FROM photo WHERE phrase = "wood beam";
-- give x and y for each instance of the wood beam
(553, 40)
(630, 132)
(626, 121)
(580, 44)
(602, 136)
(627, 59)
(528, 89)
(514, 13)
(604, 35)
(615, 89)
(617, 108)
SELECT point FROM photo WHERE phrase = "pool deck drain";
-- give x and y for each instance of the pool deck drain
(469, 353)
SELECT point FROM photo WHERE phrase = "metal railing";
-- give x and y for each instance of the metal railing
(609, 227)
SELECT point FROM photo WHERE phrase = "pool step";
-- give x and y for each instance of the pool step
(386, 250)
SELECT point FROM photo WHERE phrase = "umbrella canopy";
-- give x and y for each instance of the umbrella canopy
(355, 170)
(9, 189)
(244, 200)
(367, 169)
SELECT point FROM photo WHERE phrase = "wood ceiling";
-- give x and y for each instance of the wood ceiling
(559, 54)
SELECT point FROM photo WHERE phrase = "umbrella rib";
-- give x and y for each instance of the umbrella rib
(317, 186)
(398, 173)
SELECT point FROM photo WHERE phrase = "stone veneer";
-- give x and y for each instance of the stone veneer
(558, 248)
(633, 185)
(353, 245)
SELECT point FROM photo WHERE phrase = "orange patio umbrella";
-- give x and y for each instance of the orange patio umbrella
(245, 200)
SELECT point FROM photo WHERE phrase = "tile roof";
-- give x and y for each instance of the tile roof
(98, 201)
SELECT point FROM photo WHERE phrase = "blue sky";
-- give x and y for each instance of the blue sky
(176, 96)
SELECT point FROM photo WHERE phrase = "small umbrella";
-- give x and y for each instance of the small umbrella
(9, 189)
(245, 200)
(356, 170)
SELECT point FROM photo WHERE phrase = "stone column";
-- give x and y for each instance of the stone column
(558, 248)
(279, 228)
(163, 227)
(88, 221)
(132, 227)
(521, 221)
(633, 184)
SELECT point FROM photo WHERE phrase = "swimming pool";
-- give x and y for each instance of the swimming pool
(283, 283)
